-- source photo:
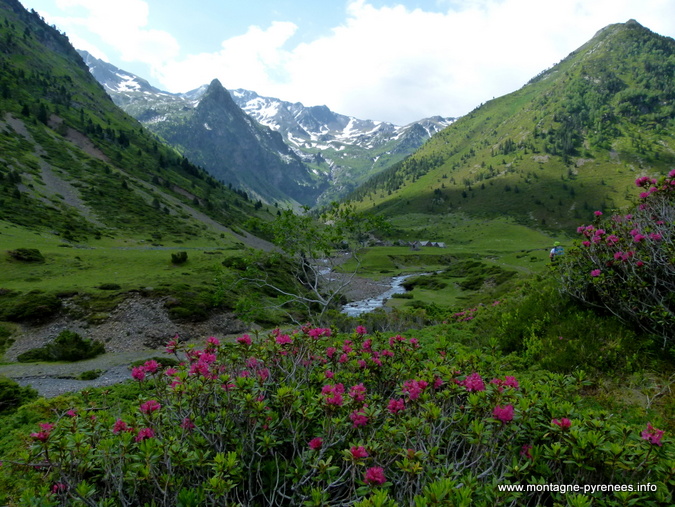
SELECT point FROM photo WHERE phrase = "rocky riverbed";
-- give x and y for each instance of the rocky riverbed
(137, 329)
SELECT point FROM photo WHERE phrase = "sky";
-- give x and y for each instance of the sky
(390, 60)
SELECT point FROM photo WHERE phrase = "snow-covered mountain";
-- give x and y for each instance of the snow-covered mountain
(339, 150)
(319, 127)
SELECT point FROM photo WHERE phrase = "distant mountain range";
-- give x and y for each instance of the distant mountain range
(327, 154)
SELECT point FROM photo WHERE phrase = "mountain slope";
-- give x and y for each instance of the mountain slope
(340, 151)
(350, 149)
(569, 142)
(234, 148)
(72, 162)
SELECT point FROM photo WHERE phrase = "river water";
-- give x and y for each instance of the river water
(356, 308)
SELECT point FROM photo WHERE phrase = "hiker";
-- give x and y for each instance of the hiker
(556, 252)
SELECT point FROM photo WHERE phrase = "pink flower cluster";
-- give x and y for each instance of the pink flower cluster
(473, 382)
(358, 392)
(149, 407)
(318, 332)
(564, 423)
(508, 381)
(121, 426)
(43, 435)
(503, 414)
(244, 340)
(333, 394)
(374, 476)
(284, 339)
(653, 435)
(396, 406)
(316, 443)
(144, 433)
(358, 452)
(149, 367)
(359, 417)
(414, 388)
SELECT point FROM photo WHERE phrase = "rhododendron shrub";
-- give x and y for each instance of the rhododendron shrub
(625, 263)
(285, 420)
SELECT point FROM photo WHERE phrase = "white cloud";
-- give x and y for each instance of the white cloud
(122, 25)
(251, 60)
(390, 63)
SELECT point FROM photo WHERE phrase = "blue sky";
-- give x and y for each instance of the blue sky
(390, 60)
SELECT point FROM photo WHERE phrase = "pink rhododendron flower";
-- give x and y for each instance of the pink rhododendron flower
(358, 452)
(316, 443)
(119, 426)
(319, 332)
(358, 392)
(284, 339)
(207, 358)
(333, 394)
(394, 339)
(212, 341)
(525, 451)
(71, 413)
(335, 400)
(329, 374)
(597, 213)
(244, 340)
(59, 487)
(343, 358)
(151, 366)
(359, 417)
(144, 433)
(596, 272)
(396, 406)
(138, 373)
(43, 435)
(150, 406)
(187, 424)
(564, 423)
(503, 414)
(414, 388)
(473, 382)
(360, 330)
(374, 476)
(509, 381)
(172, 346)
(653, 435)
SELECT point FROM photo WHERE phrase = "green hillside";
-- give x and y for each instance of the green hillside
(569, 142)
(74, 163)
(102, 201)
